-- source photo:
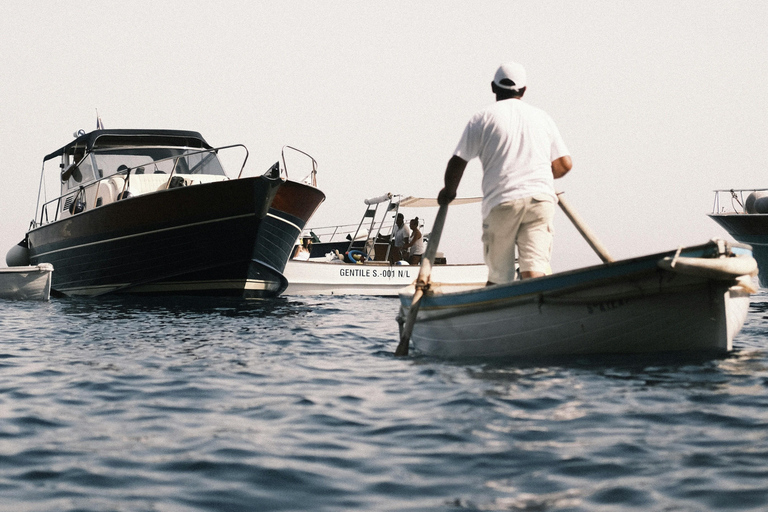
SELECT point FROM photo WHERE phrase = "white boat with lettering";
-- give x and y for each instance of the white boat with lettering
(692, 299)
(354, 259)
(26, 283)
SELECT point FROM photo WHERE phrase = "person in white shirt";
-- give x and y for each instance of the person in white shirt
(522, 153)
(400, 237)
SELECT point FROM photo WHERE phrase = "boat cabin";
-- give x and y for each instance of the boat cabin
(372, 237)
(104, 166)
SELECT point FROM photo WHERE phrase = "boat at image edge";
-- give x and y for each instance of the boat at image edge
(331, 271)
(746, 221)
(693, 299)
(26, 283)
(153, 212)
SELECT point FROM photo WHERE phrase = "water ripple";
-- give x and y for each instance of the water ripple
(190, 404)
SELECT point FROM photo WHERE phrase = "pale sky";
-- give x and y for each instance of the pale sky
(659, 102)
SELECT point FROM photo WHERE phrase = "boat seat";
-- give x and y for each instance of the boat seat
(146, 183)
(110, 189)
(198, 179)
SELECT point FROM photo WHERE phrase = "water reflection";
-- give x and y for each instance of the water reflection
(126, 306)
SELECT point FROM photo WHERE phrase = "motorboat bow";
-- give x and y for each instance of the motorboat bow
(153, 212)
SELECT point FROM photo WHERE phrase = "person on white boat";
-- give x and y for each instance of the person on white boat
(415, 243)
(304, 250)
(522, 153)
(400, 237)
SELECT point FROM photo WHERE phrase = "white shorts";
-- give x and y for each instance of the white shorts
(526, 223)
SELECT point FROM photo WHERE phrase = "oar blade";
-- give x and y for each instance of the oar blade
(410, 319)
(422, 281)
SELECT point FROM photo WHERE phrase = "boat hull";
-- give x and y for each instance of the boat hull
(632, 306)
(749, 229)
(229, 238)
(374, 278)
(26, 283)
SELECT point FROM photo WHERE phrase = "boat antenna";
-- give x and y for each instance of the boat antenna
(39, 193)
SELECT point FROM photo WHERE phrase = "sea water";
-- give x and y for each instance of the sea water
(299, 404)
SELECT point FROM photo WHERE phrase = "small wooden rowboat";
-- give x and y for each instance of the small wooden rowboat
(692, 299)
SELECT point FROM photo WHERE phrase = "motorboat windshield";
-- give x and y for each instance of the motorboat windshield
(158, 160)
(103, 166)
(143, 160)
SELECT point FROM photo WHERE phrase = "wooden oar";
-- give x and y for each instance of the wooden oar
(422, 282)
(582, 228)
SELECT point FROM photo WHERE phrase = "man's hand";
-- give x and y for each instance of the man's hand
(561, 166)
(445, 197)
(453, 173)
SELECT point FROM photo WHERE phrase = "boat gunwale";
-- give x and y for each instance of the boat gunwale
(552, 284)
(378, 263)
(138, 198)
(556, 297)
(735, 214)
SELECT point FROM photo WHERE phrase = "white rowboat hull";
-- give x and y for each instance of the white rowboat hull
(26, 283)
(633, 306)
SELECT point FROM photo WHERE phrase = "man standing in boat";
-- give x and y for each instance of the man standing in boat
(522, 153)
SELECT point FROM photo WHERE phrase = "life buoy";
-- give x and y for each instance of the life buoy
(355, 256)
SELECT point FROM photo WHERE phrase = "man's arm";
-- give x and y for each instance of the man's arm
(453, 173)
(561, 166)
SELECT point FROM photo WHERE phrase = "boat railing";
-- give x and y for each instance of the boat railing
(373, 232)
(77, 201)
(312, 177)
(736, 197)
(329, 234)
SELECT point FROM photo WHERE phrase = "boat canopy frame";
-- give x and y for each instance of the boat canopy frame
(134, 135)
(130, 137)
(373, 232)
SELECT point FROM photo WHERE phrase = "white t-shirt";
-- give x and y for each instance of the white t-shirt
(402, 235)
(516, 144)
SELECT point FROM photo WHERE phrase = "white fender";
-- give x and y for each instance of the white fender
(711, 268)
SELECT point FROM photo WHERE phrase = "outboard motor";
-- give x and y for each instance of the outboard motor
(18, 255)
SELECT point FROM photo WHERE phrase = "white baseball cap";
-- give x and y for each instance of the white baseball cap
(510, 76)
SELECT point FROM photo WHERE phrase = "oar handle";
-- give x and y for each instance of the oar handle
(422, 280)
(582, 228)
(434, 240)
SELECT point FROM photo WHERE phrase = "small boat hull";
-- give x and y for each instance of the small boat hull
(374, 278)
(26, 283)
(631, 306)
